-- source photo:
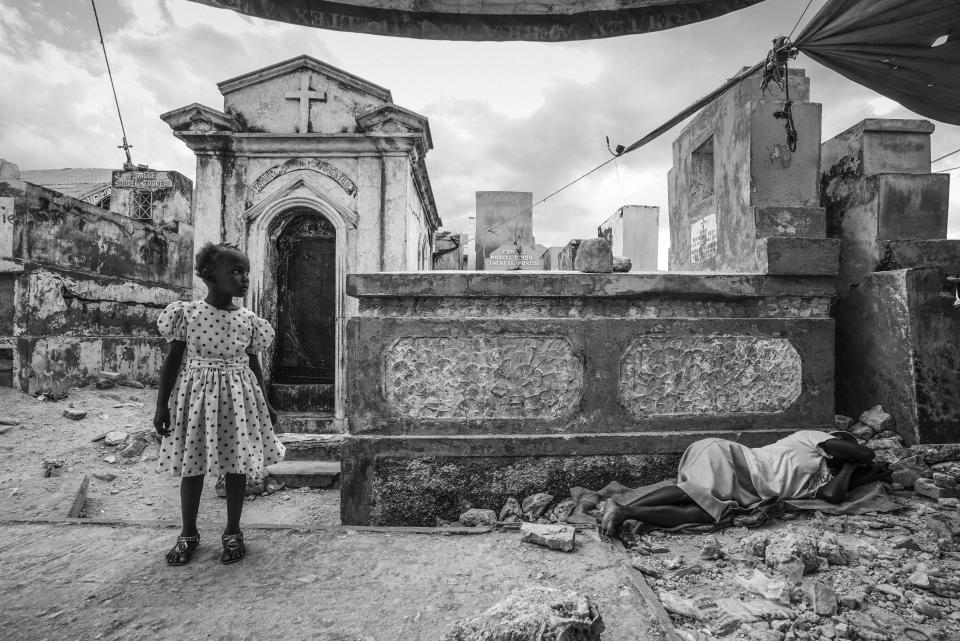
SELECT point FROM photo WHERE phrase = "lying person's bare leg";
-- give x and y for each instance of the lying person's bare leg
(680, 511)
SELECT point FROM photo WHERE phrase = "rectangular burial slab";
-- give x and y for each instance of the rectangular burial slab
(469, 386)
(53, 497)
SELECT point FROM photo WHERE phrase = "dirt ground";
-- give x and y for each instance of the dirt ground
(138, 492)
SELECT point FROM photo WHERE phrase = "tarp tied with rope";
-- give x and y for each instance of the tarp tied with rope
(888, 46)
(496, 20)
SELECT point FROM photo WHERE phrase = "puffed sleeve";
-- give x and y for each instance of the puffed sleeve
(172, 322)
(262, 336)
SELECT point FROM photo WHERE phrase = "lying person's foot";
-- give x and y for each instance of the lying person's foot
(612, 518)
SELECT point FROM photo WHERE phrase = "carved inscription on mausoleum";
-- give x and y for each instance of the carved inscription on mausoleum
(696, 375)
(482, 377)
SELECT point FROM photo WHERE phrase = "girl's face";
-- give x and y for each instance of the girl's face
(230, 274)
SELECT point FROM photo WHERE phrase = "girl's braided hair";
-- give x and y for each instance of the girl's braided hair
(209, 254)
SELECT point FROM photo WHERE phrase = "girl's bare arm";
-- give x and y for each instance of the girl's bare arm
(168, 375)
(258, 373)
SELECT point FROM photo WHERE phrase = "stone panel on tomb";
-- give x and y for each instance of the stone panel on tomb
(482, 377)
(720, 375)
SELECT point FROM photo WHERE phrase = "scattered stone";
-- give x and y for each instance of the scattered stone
(110, 459)
(877, 419)
(820, 598)
(842, 423)
(134, 384)
(647, 569)
(511, 510)
(534, 506)
(907, 470)
(75, 414)
(115, 437)
(944, 481)
(711, 549)
(594, 256)
(755, 544)
(940, 453)
(774, 589)
(103, 476)
(136, 443)
(621, 264)
(888, 589)
(950, 468)
(890, 455)
(555, 537)
(926, 487)
(673, 562)
(104, 384)
(151, 453)
(533, 613)
(562, 510)
(829, 547)
(853, 600)
(7, 420)
(790, 546)
(887, 434)
(885, 443)
(861, 431)
(904, 542)
(927, 609)
(52, 468)
(949, 502)
(478, 518)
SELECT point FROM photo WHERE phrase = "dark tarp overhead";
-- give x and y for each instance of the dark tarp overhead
(497, 20)
(886, 45)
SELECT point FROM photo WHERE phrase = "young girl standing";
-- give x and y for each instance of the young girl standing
(213, 415)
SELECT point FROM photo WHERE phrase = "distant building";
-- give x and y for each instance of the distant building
(634, 232)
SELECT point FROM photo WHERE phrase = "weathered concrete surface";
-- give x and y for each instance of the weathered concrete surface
(895, 347)
(413, 480)
(78, 581)
(881, 146)
(817, 256)
(730, 161)
(789, 221)
(904, 254)
(53, 497)
(633, 233)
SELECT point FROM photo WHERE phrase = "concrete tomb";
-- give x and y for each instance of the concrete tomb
(897, 326)
(88, 259)
(314, 173)
(634, 232)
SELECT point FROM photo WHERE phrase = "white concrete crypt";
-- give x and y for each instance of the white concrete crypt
(314, 173)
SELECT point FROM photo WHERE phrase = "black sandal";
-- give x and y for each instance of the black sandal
(181, 553)
(233, 548)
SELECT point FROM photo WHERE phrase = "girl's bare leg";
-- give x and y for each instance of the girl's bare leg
(236, 487)
(191, 488)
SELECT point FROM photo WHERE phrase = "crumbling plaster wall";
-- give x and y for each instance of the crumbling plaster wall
(84, 287)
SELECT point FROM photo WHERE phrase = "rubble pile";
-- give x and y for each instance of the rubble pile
(818, 577)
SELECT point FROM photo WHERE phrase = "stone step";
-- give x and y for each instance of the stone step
(302, 397)
(305, 422)
(311, 447)
(320, 474)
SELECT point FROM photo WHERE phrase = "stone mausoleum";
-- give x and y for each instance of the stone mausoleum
(315, 173)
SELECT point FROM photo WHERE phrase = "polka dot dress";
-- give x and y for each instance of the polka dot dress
(217, 409)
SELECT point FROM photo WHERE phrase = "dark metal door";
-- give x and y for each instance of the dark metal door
(307, 301)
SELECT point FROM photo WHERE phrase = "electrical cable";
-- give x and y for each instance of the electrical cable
(125, 146)
(944, 156)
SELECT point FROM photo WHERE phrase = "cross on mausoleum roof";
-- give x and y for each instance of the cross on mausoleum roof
(305, 95)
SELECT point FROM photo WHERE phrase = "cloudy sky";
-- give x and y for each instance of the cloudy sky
(504, 116)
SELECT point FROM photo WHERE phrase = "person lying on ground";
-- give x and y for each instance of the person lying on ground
(716, 475)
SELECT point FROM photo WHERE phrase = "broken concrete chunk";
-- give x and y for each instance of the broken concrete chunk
(944, 481)
(534, 506)
(115, 437)
(853, 599)
(561, 511)
(511, 510)
(861, 431)
(791, 546)
(820, 598)
(137, 443)
(879, 420)
(774, 589)
(829, 547)
(621, 264)
(904, 542)
(594, 256)
(134, 384)
(110, 376)
(885, 443)
(8, 420)
(555, 537)
(75, 414)
(926, 487)
(478, 518)
(533, 613)
(104, 384)
(755, 544)
(926, 608)
(711, 549)
(907, 470)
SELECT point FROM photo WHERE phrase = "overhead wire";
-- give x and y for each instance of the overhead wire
(125, 146)
(944, 156)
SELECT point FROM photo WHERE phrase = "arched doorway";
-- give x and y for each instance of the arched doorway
(306, 302)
